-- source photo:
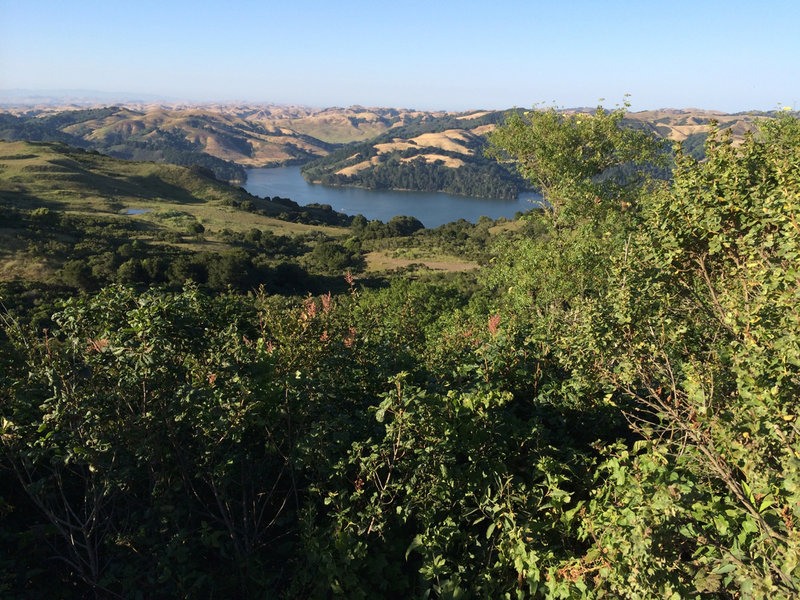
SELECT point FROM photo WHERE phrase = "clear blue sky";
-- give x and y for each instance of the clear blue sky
(433, 54)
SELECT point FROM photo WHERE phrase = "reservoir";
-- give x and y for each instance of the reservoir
(432, 208)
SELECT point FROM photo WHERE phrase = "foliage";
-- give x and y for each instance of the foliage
(711, 358)
(471, 179)
(612, 413)
(566, 155)
(690, 327)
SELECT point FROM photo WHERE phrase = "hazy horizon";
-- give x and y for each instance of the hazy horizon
(90, 98)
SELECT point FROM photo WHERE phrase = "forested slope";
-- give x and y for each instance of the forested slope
(445, 154)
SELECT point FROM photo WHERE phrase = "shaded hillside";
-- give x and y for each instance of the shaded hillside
(122, 133)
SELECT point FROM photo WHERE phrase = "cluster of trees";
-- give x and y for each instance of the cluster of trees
(376, 229)
(91, 252)
(486, 180)
(612, 414)
(471, 241)
(310, 214)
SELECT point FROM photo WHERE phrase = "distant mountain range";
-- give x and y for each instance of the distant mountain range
(367, 147)
(77, 98)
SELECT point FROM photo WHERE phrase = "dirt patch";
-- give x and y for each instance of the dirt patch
(352, 169)
(392, 146)
(23, 267)
(449, 161)
(383, 261)
(473, 115)
(484, 129)
(451, 140)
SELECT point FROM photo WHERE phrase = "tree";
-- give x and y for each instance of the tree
(335, 258)
(78, 274)
(709, 351)
(676, 305)
(566, 156)
(401, 225)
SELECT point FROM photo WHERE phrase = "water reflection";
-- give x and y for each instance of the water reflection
(433, 209)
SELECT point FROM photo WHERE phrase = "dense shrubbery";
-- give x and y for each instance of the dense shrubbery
(613, 414)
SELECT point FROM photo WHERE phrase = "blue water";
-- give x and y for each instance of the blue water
(433, 209)
(138, 211)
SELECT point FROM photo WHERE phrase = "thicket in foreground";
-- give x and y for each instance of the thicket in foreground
(613, 415)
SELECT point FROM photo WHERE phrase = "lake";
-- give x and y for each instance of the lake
(432, 208)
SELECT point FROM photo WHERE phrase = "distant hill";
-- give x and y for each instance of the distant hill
(223, 138)
(690, 126)
(441, 154)
(377, 148)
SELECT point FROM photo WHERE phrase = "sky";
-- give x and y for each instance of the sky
(429, 55)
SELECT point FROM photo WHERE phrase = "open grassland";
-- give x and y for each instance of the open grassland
(452, 140)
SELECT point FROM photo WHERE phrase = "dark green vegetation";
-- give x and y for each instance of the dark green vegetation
(611, 413)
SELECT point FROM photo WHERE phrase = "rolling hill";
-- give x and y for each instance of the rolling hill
(224, 138)
(377, 148)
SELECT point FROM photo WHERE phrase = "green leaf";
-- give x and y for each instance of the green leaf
(726, 568)
(415, 543)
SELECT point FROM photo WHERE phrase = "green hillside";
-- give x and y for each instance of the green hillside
(63, 205)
